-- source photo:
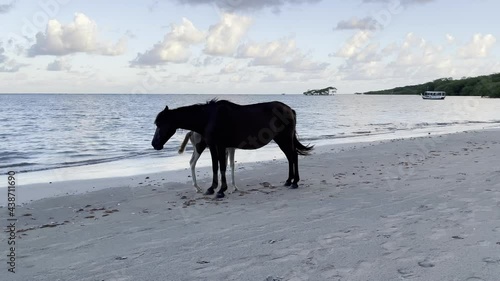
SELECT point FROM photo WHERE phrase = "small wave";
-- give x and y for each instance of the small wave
(6, 156)
(16, 165)
(33, 167)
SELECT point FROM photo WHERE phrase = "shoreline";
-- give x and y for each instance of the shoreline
(419, 208)
(77, 180)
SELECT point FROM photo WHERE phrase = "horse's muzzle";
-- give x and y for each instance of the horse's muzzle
(157, 147)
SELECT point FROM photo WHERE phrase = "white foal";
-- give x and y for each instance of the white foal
(198, 146)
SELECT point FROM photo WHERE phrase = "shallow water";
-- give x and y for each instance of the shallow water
(44, 131)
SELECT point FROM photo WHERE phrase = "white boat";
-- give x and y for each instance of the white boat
(433, 95)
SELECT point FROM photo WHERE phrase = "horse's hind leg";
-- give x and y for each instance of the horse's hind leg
(230, 151)
(290, 169)
(287, 148)
(296, 177)
(222, 160)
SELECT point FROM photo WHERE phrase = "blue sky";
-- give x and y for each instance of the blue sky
(242, 47)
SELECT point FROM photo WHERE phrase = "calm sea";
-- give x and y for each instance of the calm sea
(44, 131)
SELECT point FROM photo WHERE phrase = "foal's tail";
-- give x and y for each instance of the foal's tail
(184, 142)
(300, 148)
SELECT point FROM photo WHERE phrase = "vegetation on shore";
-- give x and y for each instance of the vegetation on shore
(321, 92)
(486, 86)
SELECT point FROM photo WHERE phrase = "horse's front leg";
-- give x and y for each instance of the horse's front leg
(222, 160)
(215, 169)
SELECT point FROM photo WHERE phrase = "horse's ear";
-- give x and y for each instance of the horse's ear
(166, 107)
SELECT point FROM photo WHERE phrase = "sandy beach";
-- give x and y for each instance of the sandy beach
(416, 209)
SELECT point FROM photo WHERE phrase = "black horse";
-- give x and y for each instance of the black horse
(224, 124)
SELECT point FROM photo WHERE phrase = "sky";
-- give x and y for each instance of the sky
(242, 47)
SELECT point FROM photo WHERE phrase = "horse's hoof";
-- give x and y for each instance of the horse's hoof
(219, 195)
(288, 183)
(209, 191)
(294, 186)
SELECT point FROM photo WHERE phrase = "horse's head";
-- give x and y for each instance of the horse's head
(165, 129)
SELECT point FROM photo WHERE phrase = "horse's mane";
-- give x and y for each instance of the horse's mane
(209, 102)
(213, 101)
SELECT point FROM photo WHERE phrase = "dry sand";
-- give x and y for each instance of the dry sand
(416, 209)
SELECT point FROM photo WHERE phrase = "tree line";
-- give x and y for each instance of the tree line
(486, 86)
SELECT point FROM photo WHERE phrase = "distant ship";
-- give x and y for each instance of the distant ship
(433, 95)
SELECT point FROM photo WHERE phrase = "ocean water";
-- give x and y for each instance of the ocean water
(46, 132)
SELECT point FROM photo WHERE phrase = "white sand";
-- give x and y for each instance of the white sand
(417, 209)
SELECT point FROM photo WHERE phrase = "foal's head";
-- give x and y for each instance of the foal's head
(165, 129)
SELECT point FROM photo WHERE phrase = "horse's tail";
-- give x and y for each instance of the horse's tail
(184, 142)
(300, 148)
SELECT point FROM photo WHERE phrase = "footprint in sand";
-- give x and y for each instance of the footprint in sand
(489, 260)
(426, 264)
(405, 273)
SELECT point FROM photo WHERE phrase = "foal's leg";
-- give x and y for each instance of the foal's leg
(192, 163)
(194, 158)
(231, 162)
(198, 146)
(215, 169)
(222, 160)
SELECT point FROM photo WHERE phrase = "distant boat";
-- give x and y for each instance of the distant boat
(433, 95)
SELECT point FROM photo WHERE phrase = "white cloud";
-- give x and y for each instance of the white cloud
(450, 38)
(231, 68)
(478, 47)
(175, 46)
(404, 2)
(367, 23)
(412, 41)
(414, 59)
(354, 44)
(207, 61)
(7, 64)
(114, 50)
(245, 5)
(11, 65)
(271, 53)
(5, 8)
(3, 57)
(79, 36)
(224, 37)
(59, 64)
(280, 53)
(301, 63)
